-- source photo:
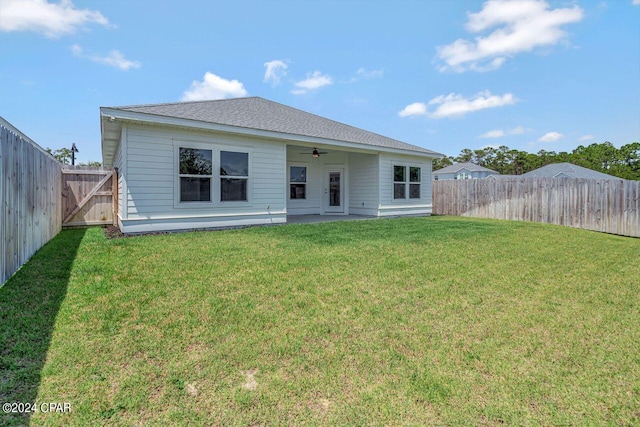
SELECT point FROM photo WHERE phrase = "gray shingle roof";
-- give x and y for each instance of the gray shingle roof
(471, 167)
(571, 170)
(259, 113)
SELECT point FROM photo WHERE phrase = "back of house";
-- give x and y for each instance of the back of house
(249, 161)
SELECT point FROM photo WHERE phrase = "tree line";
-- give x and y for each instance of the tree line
(63, 155)
(623, 162)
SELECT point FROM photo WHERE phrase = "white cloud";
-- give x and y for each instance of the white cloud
(415, 109)
(493, 134)
(636, 2)
(519, 26)
(589, 137)
(499, 133)
(275, 71)
(114, 59)
(51, 19)
(77, 50)
(550, 137)
(213, 87)
(364, 74)
(454, 105)
(313, 81)
(369, 74)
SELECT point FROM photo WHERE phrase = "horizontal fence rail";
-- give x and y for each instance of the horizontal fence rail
(30, 208)
(609, 206)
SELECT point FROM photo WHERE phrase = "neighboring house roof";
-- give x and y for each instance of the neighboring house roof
(567, 170)
(471, 167)
(263, 115)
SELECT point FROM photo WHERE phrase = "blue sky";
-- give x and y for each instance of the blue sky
(444, 75)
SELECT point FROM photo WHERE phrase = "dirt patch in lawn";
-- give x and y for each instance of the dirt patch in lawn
(112, 232)
(251, 383)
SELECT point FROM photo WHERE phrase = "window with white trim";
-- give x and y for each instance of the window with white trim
(195, 169)
(414, 182)
(399, 182)
(297, 182)
(234, 176)
(406, 182)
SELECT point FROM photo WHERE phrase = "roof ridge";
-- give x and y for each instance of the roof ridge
(162, 104)
(263, 114)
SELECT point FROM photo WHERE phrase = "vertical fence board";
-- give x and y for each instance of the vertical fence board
(610, 206)
(29, 198)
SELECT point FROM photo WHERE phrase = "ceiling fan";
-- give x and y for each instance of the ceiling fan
(315, 153)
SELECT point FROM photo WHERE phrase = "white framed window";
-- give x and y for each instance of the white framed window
(407, 181)
(297, 182)
(399, 182)
(208, 175)
(415, 179)
(195, 172)
(234, 176)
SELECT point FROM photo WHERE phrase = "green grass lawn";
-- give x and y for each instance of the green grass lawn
(414, 321)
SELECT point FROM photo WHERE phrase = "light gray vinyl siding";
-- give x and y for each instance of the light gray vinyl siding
(152, 173)
(391, 206)
(117, 163)
(363, 183)
(446, 176)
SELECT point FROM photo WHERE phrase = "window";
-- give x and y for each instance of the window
(399, 182)
(297, 182)
(403, 189)
(195, 169)
(414, 182)
(234, 175)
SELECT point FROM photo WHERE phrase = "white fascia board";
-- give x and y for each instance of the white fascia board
(110, 134)
(311, 140)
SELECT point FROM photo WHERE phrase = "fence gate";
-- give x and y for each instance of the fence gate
(88, 196)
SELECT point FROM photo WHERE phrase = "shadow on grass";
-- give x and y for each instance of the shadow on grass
(29, 304)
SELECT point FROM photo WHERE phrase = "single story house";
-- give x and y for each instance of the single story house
(567, 170)
(248, 161)
(463, 171)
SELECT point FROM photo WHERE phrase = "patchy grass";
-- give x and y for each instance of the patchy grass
(406, 321)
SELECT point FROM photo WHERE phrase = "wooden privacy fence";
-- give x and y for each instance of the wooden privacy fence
(30, 208)
(609, 206)
(87, 196)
